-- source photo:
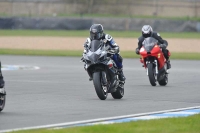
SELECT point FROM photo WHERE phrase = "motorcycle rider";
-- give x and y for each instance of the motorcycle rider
(97, 33)
(1, 78)
(147, 31)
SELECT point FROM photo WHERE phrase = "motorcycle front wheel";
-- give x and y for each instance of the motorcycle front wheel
(100, 90)
(151, 74)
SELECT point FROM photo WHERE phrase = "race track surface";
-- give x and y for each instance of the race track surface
(60, 91)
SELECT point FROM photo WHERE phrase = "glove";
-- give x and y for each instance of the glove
(137, 51)
(112, 51)
(163, 46)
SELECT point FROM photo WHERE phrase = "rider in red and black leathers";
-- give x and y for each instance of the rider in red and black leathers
(147, 31)
(1, 78)
(96, 33)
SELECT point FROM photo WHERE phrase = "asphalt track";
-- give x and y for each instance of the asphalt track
(60, 91)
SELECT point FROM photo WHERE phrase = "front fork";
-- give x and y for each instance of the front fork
(104, 78)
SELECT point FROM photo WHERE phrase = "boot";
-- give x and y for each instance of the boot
(121, 78)
(121, 75)
(166, 54)
(168, 64)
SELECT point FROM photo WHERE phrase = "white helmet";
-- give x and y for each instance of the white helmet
(147, 31)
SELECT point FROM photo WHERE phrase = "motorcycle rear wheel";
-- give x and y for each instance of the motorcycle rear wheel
(98, 86)
(164, 81)
(118, 94)
(151, 74)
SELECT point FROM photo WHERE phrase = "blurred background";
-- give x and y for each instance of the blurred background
(162, 15)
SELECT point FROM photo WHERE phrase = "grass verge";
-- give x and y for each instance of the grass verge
(125, 54)
(168, 125)
(85, 33)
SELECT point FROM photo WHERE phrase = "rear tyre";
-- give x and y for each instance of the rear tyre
(164, 81)
(2, 101)
(151, 74)
(118, 94)
(101, 93)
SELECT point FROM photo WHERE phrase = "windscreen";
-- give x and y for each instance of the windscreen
(95, 45)
(149, 43)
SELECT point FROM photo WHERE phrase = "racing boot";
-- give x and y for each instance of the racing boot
(168, 64)
(121, 78)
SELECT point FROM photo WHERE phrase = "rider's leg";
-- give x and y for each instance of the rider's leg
(166, 54)
(118, 60)
(1, 78)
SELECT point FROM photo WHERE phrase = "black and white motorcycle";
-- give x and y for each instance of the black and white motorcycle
(2, 98)
(102, 70)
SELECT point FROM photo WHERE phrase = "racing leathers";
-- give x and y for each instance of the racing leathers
(114, 48)
(162, 43)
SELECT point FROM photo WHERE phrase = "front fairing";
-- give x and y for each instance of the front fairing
(149, 43)
(96, 54)
(149, 47)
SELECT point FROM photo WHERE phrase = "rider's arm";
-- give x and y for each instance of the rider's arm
(158, 37)
(163, 43)
(112, 43)
(86, 45)
(140, 40)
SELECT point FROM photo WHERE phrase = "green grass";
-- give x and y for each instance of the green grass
(125, 54)
(96, 15)
(189, 124)
(185, 18)
(85, 33)
(40, 52)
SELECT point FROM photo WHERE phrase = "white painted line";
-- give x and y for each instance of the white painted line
(31, 81)
(60, 125)
(18, 67)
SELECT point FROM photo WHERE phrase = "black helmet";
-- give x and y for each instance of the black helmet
(96, 31)
(147, 31)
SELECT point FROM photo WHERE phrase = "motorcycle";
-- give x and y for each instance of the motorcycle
(102, 70)
(154, 62)
(2, 98)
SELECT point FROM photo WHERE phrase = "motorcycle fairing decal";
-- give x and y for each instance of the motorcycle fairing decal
(159, 55)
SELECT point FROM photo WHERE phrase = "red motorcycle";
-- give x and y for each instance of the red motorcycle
(154, 62)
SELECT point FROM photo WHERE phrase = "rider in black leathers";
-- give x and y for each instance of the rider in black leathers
(96, 33)
(1, 78)
(147, 31)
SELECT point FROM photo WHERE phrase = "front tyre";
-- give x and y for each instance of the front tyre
(118, 94)
(101, 92)
(151, 74)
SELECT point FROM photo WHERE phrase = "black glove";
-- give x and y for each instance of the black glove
(163, 46)
(137, 51)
